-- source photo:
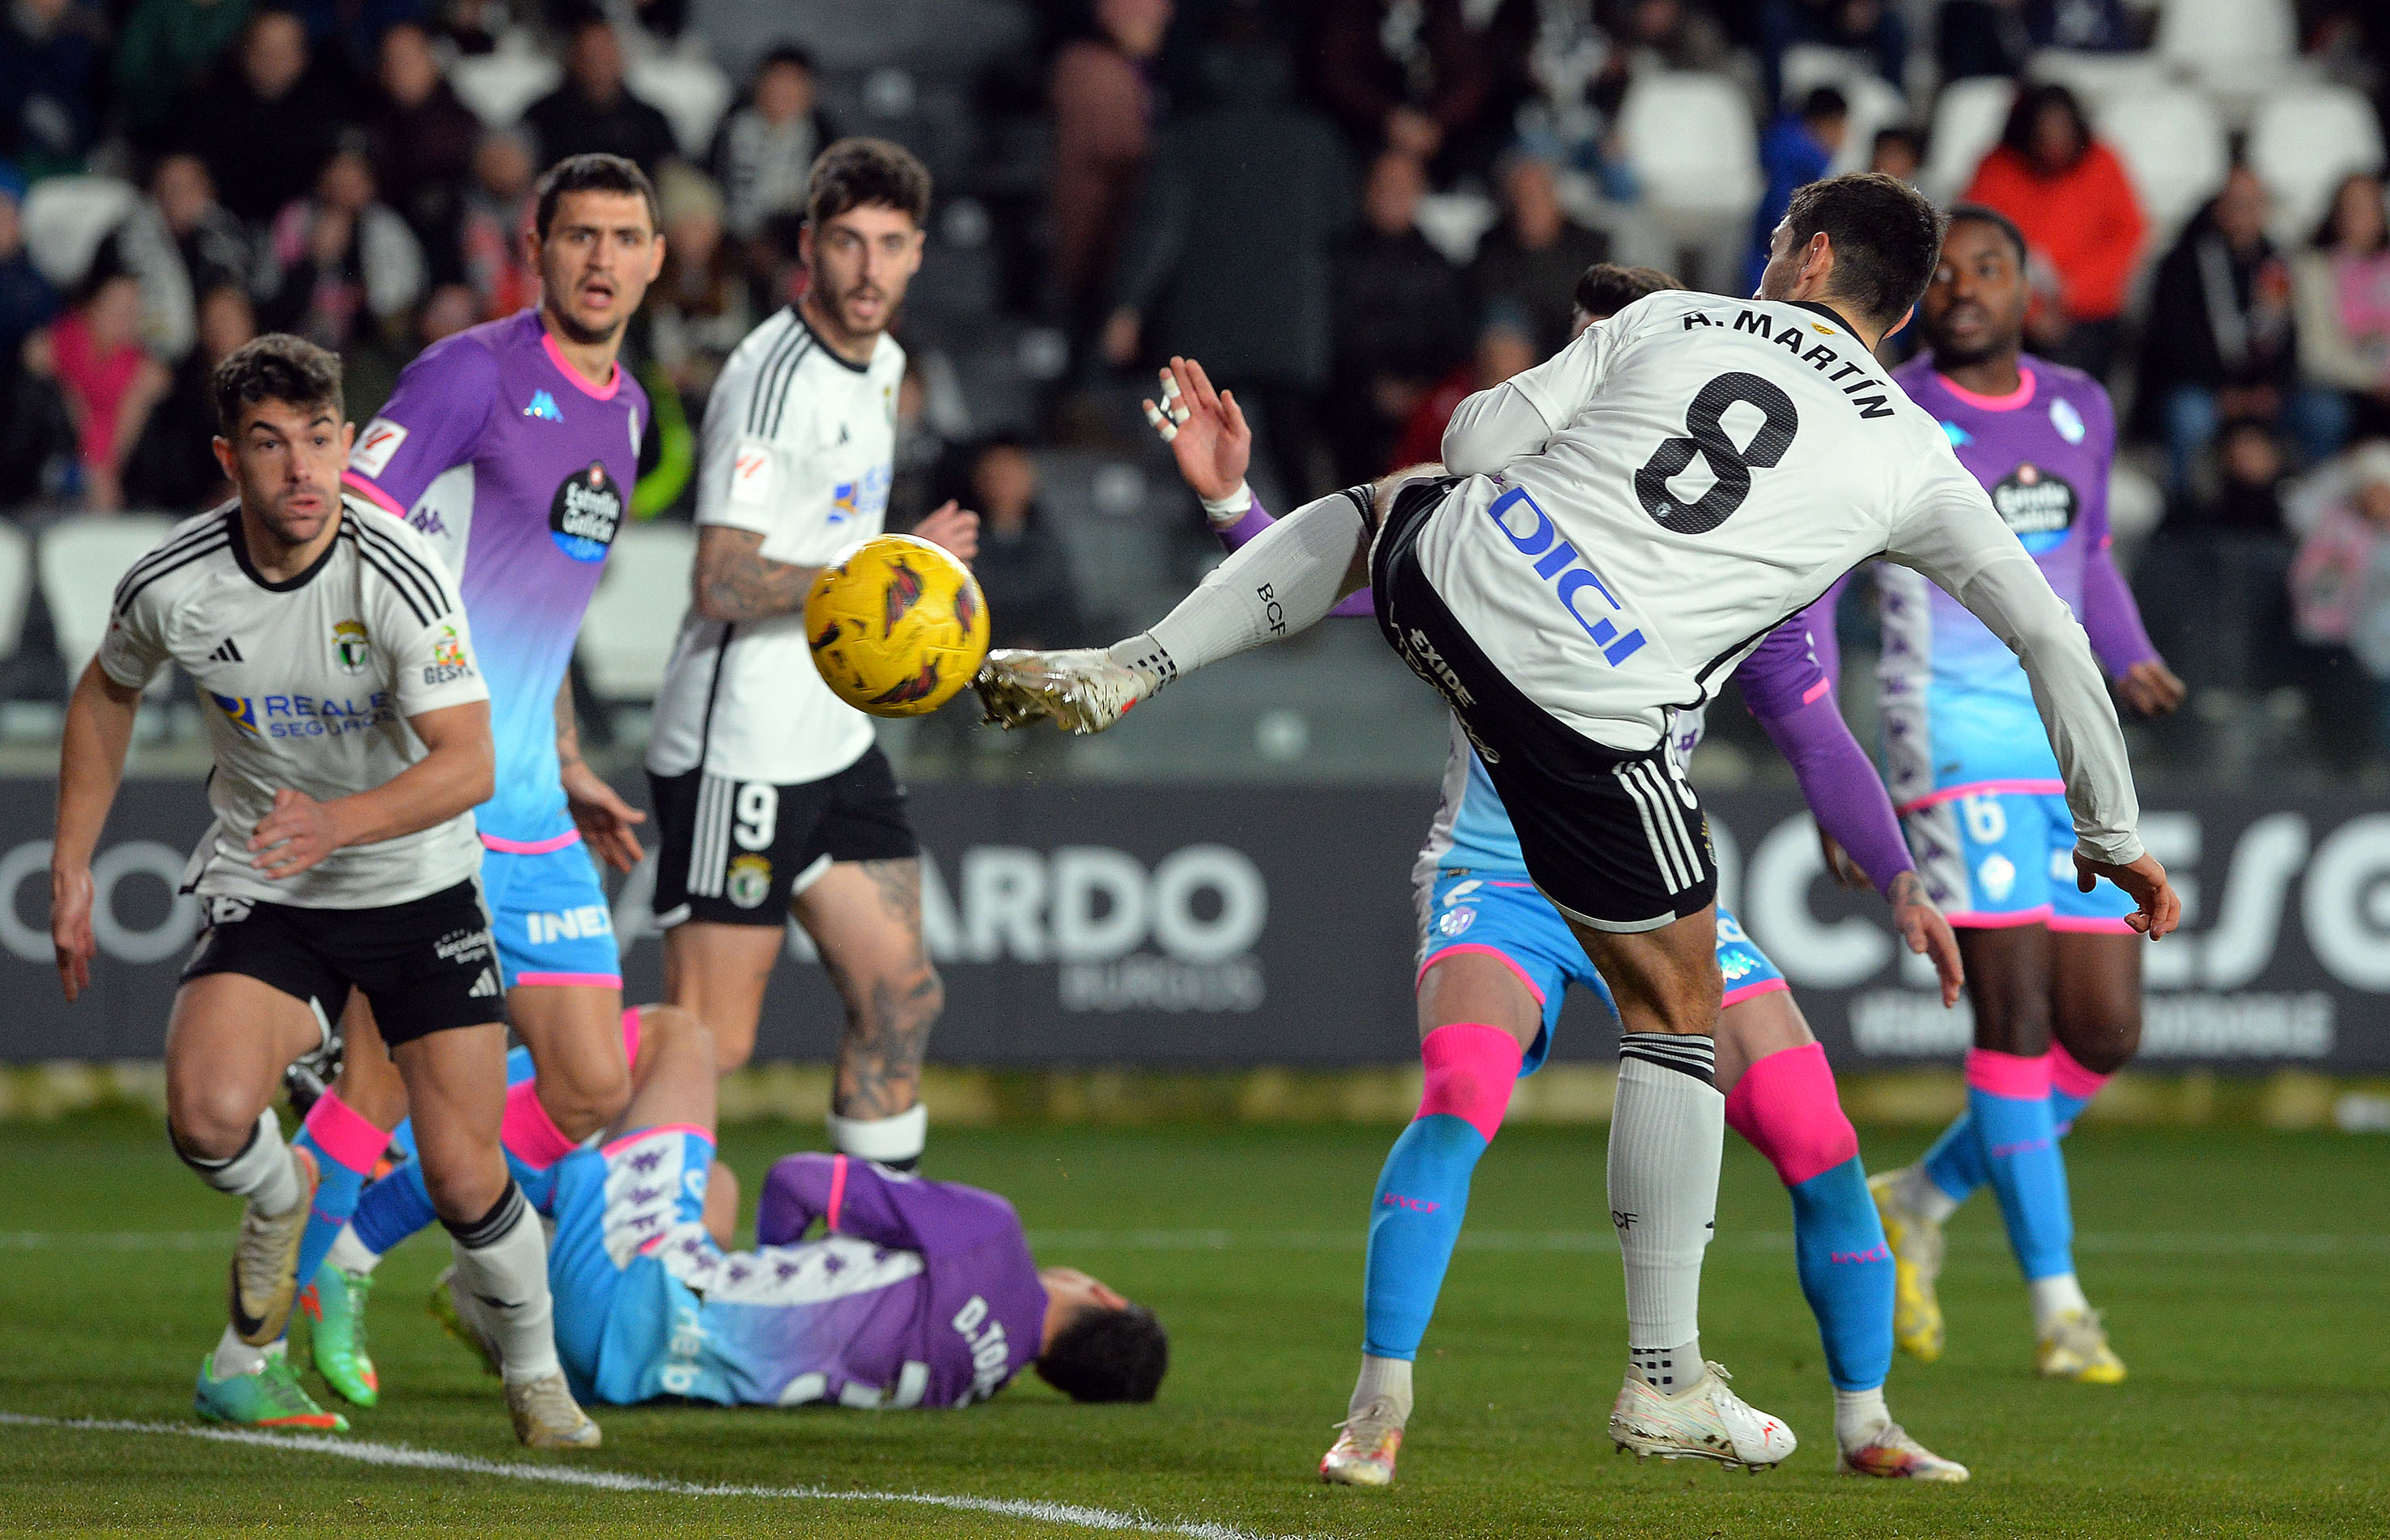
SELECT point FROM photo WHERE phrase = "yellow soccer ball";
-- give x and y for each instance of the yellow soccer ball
(898, 626)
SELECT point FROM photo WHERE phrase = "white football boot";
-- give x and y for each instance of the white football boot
(1084, 690)
(1366, 1444)
(1893, 1455)
(1708, 1422)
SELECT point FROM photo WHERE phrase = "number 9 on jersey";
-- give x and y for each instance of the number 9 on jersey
(897, 625)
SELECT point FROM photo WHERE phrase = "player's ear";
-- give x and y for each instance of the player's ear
(222, 446)
(347, 440)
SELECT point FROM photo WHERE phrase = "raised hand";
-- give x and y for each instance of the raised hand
(1205, 430)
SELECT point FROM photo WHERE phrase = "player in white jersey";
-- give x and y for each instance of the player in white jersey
(351, 728)
(771, 797)
(1624, 524)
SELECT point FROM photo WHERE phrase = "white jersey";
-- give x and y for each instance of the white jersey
(799, 447)
(306, 684)
(1644, 507)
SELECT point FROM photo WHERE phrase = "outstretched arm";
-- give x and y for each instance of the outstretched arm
(848, 1196)
(91, 764)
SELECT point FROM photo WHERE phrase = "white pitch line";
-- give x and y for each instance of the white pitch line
(403, 1456)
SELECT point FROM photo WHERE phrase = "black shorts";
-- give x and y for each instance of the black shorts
(425, 965)
(1616, 840)
(734, 853)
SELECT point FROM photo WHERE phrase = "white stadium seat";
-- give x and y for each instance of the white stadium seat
(64, 218)
(690, 92)
(2173, 145)
(1809, 65)
(79, 561)
(499, 86)
(627, 637)
(1875, 106)
(2096, 78)
(2237, 49)
(2307, 140)
(15, 586)
(1689, 140)
(1968, 118)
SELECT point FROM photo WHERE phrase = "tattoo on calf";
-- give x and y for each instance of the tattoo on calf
(888, 1016)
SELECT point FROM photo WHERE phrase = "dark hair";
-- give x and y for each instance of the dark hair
(785, 53)
(1825, 101)
(1887, 239)
(592, 173)
(855, 174)
(277, 366)
(1962, 213)
(2017, 132)
(2327, 234)
(1900, 133)
(1108, 1355)
(1605, 289)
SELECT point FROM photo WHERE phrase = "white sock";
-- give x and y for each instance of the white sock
(503, 1260)
(235, 1356)
(1921, 1195)
(265, 1171)
(896, 1141)
(1386, 1379)
(1665, 1138)
(1284, 580)
(349, 1254)
(1669, 1370)
(1860, 1416)
(2053, 1297)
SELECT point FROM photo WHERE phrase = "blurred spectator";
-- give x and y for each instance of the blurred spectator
(108, 382)
(764, 151)
(2340, 590)
(451, 308)
(420, 136)
(172, 467)
(166, 50)
(1871, 27)
(268, 129)
(1022, 567)
(696, 310)
(216, 249)
(1402, 320)
(348, 34)
(1402, 74)
(1996, 37)
(27, 303)
(1898, 152)
(50, 56)
(1527, 265)
(592, 112)
(497, 210)
(2069, 194)
(349, 265)
(471, 26)
(2247, 498)
(2220, 344)
(2342, 291)
(1504, 349)
(1794, 150)
(1228, 253)
(1103, 99)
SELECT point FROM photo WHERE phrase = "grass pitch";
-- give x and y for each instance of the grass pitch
(2242, 1273)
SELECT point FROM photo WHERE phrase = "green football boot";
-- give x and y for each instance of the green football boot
(270, 1398)
(335, 1307)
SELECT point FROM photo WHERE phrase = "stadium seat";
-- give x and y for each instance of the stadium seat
(78, 561)
(2172, 142)
(2237, 49)
(627, 637)
(64, 218)
(689, 92)
(1689, 140)
(1967, 121)
(2306, 141)
(499, 85)
(2096, 78)
(15, 587)
(1809, 65)
(1876, 105)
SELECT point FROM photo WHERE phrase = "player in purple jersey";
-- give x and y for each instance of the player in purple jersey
(916, 1294)
(2053, 972)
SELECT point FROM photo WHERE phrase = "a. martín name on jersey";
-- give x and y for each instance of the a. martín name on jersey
(1756, 325)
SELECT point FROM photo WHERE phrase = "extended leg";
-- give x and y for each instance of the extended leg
(348, 1132)
(865, 917)
(719, 972)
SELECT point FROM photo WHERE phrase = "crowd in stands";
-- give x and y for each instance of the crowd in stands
(1356, 211)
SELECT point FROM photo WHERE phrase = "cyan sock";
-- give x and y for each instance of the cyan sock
(1414, 1223)
(2019, 1147)
(1846, 1273)
(393, 1208)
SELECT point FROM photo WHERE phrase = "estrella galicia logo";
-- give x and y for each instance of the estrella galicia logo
(351, 649)
(2039, 507)
(587, 513)
(240, 710)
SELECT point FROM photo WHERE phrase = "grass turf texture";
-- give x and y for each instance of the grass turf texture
(2242, 1271)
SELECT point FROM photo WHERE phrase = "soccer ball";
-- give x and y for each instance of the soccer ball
(898, 626)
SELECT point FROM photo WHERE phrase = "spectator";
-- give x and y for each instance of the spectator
(451, 309)
(108, 382)
(350, 267)
(1506, 348)
(497, 210)
(268, 131)
(1023, 569)
(348, 34)
(2068, 193)
(2340, 594)
(1528, 266)
(1228, 253)
(470, 27)
(1402, 76)
(592, 112)
(764, 151)
(1402, 320)
(50, 56)
(216, 249)
(420, 136)
(27, 303)
(696, 310)
(165, 52)
(1794, 150)
(1870, 27)
(2341, 292)
(1898, 152)
(1103, 101)
(2247, 498)
(172, 467)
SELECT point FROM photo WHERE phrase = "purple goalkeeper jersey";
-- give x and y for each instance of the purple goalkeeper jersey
(519, 471)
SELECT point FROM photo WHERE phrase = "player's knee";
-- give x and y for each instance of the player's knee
(2107, 1046)
(209, 1122)
(1471, 1070)
(589, 1093)
(1787, 1107)
(463, 1190)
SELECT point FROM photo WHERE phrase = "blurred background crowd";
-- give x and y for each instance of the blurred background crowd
(1354, 211)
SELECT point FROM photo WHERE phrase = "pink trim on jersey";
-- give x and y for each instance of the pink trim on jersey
(1786, 1106)
(1985, 789)
(1509, 885)
(2091, 925)
(504, 846)
(2009, 402)
(1753, 991)
(1971, 920)
(528, 1134)
(568, 981)
(631, 1035)
(556, 357)
(345, 1136)
(1471, 1069)
(836, 1194)
(2007, 1075)
(371, 494)
(1478, 946)
(1821, 687)
(635, 1137)
(2067, 1075)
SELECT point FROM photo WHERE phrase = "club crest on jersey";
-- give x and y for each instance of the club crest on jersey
(2067, 420)
(351, 649)
(749, 881)
(2038, 506)
(585, 514)
(1452, 922)
(543, 405)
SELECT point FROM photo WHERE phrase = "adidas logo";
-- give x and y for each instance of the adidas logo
(485, 986)
(543, 405)
(227, 653)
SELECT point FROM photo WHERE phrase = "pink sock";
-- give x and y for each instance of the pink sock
(1471, 1069)
(528, 1134)
(1786, 1106)
(2009, 1075)
(631, 1037)
(345, 1135)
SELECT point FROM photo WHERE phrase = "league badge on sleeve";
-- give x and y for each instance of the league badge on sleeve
(380, 440)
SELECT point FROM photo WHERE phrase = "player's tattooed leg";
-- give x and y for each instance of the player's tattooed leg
(871, 944)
